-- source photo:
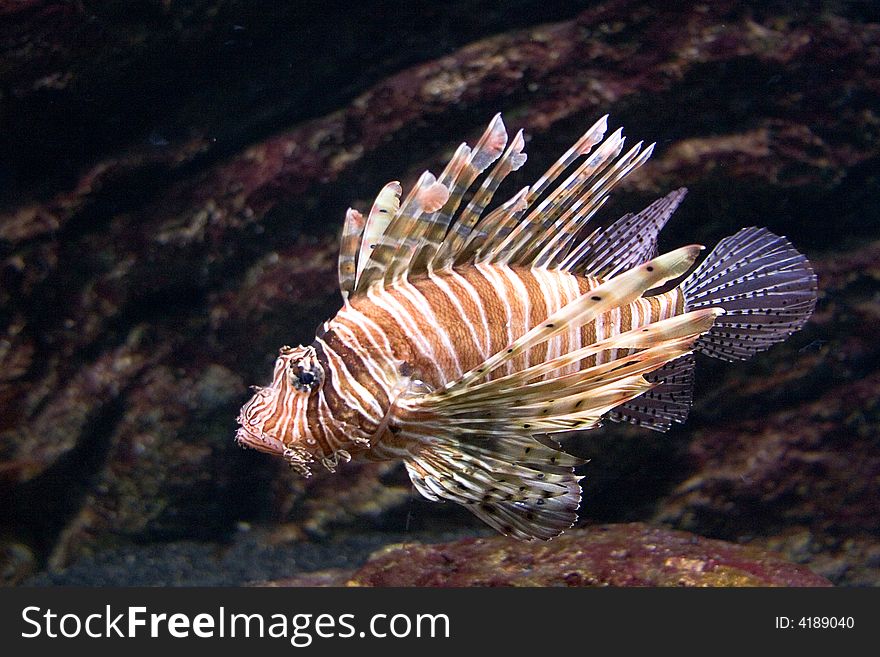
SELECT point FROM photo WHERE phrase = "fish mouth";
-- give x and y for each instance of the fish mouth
(261, 442)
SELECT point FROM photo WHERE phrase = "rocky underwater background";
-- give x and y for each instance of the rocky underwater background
(173, 180)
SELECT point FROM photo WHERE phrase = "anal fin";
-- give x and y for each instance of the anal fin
(667, 403)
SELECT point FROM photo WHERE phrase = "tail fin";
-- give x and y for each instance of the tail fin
(767, 288)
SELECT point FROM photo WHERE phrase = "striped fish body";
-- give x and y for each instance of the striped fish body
(468, 338)
(440, 326)
(436, 328)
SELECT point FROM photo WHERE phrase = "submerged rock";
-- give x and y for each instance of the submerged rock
(631, 554)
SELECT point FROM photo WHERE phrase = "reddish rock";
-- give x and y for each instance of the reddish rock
(633, 554)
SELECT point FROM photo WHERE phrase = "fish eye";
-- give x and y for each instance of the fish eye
(305, 377)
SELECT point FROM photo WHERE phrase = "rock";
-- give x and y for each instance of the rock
(631, 554)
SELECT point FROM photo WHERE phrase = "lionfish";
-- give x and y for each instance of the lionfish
(470, 341)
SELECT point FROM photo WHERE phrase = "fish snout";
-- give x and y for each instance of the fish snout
(251, 420)
(260, 441)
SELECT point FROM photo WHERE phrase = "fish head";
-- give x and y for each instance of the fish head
(274, 419)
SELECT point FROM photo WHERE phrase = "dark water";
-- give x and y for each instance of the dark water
(173, 180)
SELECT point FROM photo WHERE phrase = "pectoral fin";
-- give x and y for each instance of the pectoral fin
(485, 445)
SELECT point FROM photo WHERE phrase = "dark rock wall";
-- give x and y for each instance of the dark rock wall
(175, 175)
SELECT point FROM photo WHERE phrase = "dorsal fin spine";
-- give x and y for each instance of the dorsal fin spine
(583, 205)
(383, 211)
(510, 161)
(454, 238)
(352, 234)
(457, 179)
(536, 228)
(583, 146)
(406, 231)
(501, 223)
(520, 242)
